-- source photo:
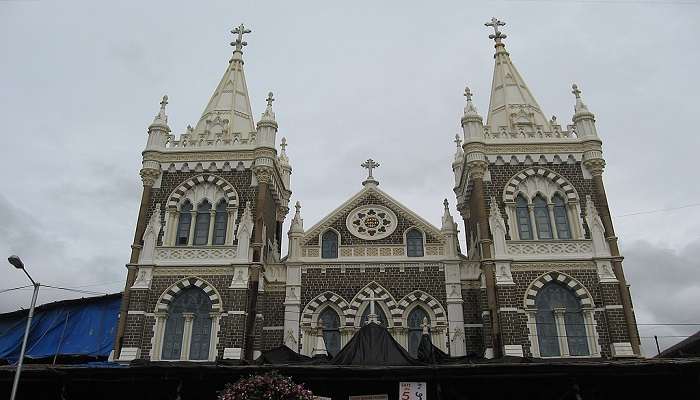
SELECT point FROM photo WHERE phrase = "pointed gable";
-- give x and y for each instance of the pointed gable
(368, 199)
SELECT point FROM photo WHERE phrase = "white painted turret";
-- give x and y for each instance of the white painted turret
(267, 126)
(584, 120)
(285, 167)
(472, 123)
(296, 232)
(159, 130)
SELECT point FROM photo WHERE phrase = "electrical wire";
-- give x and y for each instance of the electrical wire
(15, 288)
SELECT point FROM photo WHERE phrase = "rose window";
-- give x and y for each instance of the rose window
(371, 222)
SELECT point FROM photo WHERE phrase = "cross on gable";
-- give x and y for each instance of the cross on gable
(369, 165)
(240, 30)
(497, 35)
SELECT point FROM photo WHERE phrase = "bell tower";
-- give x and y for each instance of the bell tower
(209, 230)
(538, 226)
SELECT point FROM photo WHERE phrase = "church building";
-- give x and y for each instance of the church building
(541, 275)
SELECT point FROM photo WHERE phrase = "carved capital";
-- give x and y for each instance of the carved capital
(149, 176)
(595, 166)
(477, 168)
(263, 174)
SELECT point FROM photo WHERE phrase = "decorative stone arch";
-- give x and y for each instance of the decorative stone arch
(430, 303)
(228, 189)
(328, 298)
(511, 188)
(326, 229)
(383, 296)
(167, 297)
(575, 286)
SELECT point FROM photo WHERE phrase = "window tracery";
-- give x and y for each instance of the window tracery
(188, 326)
(371, 222)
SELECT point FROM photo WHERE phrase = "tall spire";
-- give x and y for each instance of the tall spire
(228, 113)
(513, 109)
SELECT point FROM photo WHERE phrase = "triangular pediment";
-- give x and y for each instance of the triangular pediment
(361, 218)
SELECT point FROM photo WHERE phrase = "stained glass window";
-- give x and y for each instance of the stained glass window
(330, 322)
(544, 226)
(194, 303)
(329, 244)
(553, 300)
(522, 214)
(414, 243)
(220, 221)
(183, 225)
(415, 328)
(561, 220)
(201, 227)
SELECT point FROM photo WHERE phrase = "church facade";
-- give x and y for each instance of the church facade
(541, 275)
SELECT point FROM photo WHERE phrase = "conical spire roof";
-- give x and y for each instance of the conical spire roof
(512, 107)
(228, 112)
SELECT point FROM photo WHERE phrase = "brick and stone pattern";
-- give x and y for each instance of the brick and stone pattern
(396, 237)
(429, 279)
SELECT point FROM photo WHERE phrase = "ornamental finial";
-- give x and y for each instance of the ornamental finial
(297, 206)
(576, 91)
(370, 165)
(164, 102)
(240, 30)
(269, 99)
(497, 35)
(458, 140)
(468, 93)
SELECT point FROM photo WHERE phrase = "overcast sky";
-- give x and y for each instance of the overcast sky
(81, 81)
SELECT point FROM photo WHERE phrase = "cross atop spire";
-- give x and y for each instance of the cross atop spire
(370, 165)
(269, 99)
(162, 117)
(458, 140)
(468, 93)
(240, 30)
(283, 145)
(497, 35)
(576, 91)
(164, 102)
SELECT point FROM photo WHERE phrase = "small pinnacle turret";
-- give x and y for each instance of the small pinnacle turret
(159, 130)
(267, 126)
(583, 119)
(472, 123)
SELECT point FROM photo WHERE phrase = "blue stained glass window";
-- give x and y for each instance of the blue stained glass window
(330, 322)
(561, 220)
(522, 215)
(194, 301)
(415, 328)
(220, 221)
(201, 227)
(329, 244)
(554, 296)
(414, 243)
(544, 226)
(183, 225)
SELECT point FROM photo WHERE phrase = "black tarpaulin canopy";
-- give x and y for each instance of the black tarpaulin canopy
(373, 345)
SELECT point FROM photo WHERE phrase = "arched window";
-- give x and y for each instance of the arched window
(220, 221)
(330, 325)
(329, 244)
(188, 317)
(415, 328)
(561, 220)
(414, 243)
(544, 227)
(561, 330)
(183, 225)
(522, 214)
(381, 317)
(201, 227)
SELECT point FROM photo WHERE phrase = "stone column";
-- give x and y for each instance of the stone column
(212, 221)
(477, 170)
(186, 335)
(149, 174)
(595, 166)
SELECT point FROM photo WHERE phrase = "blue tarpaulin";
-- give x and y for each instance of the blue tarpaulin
(82, 327)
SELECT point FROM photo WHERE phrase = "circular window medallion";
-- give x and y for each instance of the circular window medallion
(371, 222)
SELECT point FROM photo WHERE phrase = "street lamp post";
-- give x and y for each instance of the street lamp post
(17, 263)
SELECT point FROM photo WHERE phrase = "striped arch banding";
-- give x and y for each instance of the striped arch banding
(173, 290)
(318, 301)
(512, 185)
(581, 293)
(430, 301)
(227, 188)
(381, 295)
